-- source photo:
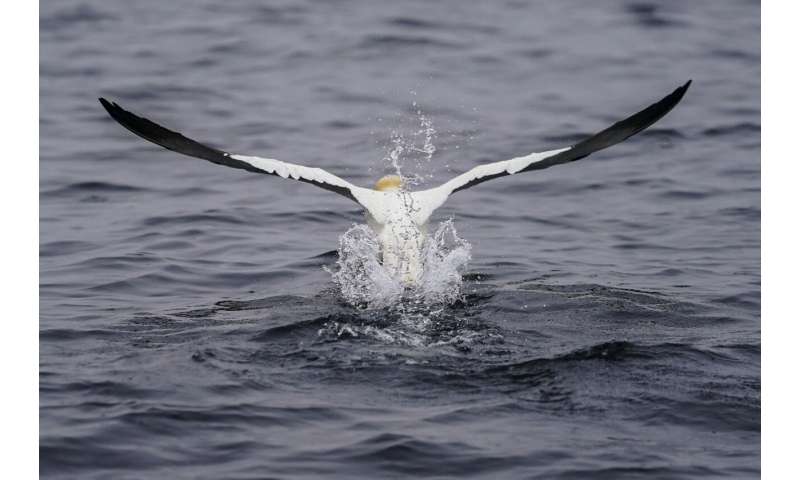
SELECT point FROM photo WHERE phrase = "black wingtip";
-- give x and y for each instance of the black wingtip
(109, 106)
(166, 138)
(680, 91)
(676, 96)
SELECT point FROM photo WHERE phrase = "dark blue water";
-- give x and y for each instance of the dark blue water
(610, 325)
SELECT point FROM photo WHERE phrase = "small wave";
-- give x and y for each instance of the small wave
(282, 301)
(191, 192)
(536, 53)
(283, 16)
(745, 213)
(392, 454)
(744, 129)
(745, 300)
(387, 41)
(747, 348)
(329, 255)
(226, 47)
(119, 263)
(65, 247)
(295, 328)
(649, 15)
(735, 54)
(169, 280)
(412, 23)
(338, 94)
(73, 17)
(193, 219)
(342, 125)
(316, 216)
(63, 455)
(169, 246)
(686, 194)
(103, 388)
(614, 473)
(662, 132)
(614, 351)
(68, 334)
(93, 187)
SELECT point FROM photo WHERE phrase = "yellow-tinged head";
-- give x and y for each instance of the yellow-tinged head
(389, 183)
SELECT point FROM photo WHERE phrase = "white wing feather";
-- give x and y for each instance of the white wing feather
(430, 200)
(293, 171)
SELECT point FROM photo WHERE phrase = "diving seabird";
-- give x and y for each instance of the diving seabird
(397, 215)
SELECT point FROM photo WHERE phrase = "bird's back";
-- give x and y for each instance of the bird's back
(394, 219)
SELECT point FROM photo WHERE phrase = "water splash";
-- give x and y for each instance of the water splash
(361, 278)
(412, 148)
(445, 256)
(365, 283)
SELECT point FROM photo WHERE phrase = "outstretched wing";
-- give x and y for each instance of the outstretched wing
(433, 198)
(176, 142)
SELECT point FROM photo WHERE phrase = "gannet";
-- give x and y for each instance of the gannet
(397, 215)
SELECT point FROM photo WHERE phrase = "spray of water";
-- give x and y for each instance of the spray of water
(365, 283)
(413, 148)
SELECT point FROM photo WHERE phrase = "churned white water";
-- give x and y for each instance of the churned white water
(364, 282)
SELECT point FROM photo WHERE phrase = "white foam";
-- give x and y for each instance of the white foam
(365, 283)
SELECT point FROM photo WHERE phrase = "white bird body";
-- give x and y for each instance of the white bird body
(393, 214)
(398, 217)
(401, 238)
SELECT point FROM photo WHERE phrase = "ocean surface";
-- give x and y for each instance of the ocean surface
(608, 323)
